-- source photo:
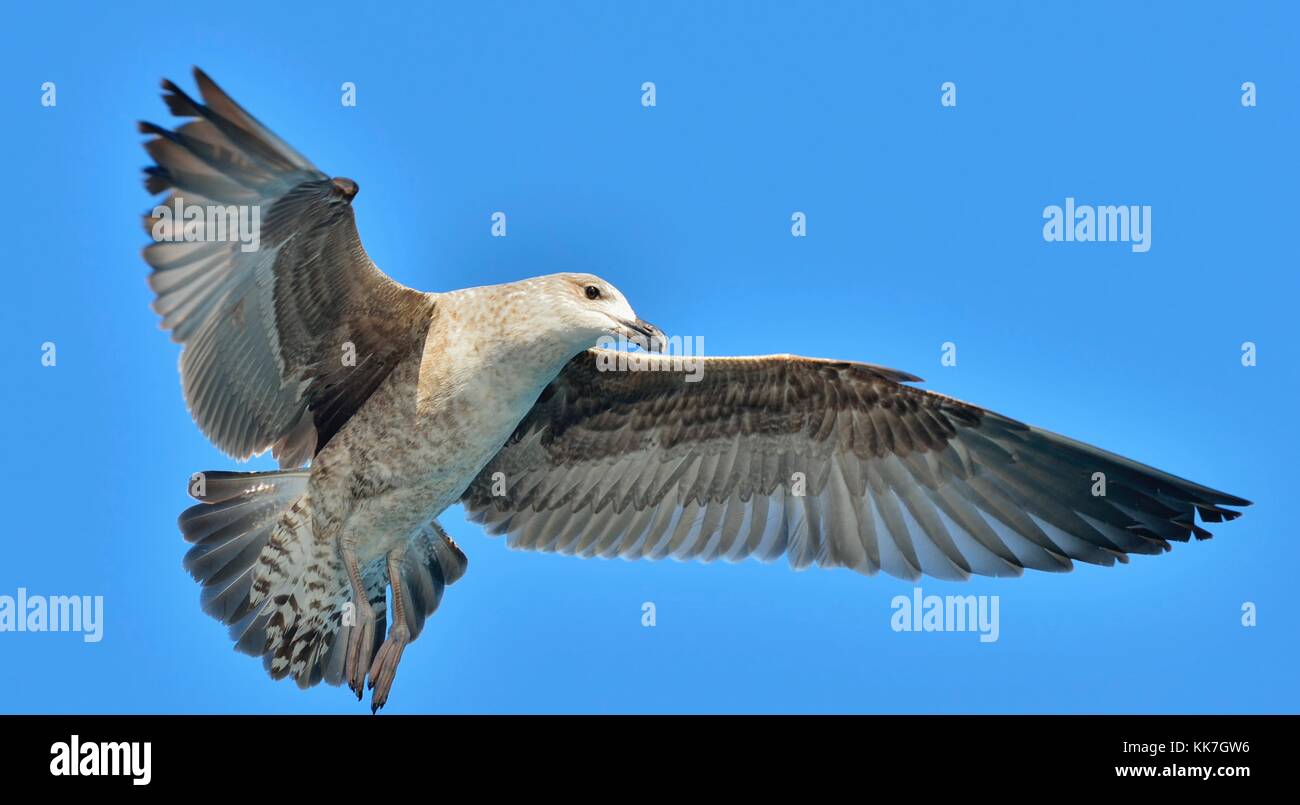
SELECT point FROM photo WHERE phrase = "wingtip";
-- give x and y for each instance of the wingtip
(179, 103)
(209, 90)
(1225, 499)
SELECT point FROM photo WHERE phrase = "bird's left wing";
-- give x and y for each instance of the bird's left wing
(289, 327)
(831, 463)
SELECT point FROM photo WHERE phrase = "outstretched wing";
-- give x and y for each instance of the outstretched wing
(285, 341)
(831, 463)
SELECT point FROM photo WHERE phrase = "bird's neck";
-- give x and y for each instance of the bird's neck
(481, 355)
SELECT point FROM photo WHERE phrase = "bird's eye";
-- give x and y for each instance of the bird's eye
(593, 292)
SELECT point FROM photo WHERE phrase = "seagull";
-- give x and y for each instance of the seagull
(385, 405)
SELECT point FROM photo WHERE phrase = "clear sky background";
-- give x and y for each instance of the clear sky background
(924, 226)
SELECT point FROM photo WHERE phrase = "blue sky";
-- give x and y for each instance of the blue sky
(924, 227)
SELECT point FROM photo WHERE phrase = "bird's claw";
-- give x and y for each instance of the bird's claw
(384, 668)
(360, 641)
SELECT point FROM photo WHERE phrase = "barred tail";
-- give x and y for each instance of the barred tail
(262, 574)
(283, 593)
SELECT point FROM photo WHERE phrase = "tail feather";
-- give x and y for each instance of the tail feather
(432, 562)
(282, 593)
(229, 530)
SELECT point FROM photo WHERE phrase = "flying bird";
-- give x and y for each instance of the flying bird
(384, 405)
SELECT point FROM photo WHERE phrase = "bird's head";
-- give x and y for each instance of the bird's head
(589, 308)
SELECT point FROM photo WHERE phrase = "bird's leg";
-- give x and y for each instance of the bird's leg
(361, 639)
(384, 669)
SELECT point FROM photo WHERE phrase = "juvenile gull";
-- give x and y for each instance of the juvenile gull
(494, 396)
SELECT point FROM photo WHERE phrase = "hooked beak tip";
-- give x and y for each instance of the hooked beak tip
(646, 336)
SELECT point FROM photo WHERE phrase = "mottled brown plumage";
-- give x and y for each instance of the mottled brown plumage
(828, 462)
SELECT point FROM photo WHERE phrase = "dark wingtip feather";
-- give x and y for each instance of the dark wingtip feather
(1215, 513)
(145, 127)
(1213, 498)
(214, 96)
(156, 179)
(207, 86)
(1210, 515)
(178, 102)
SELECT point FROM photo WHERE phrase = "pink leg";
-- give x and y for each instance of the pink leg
(384, 669)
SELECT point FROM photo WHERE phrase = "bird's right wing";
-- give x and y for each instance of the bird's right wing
(827, 462)
(284, 342)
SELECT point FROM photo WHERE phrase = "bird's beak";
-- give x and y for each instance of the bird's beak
(644, 334)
